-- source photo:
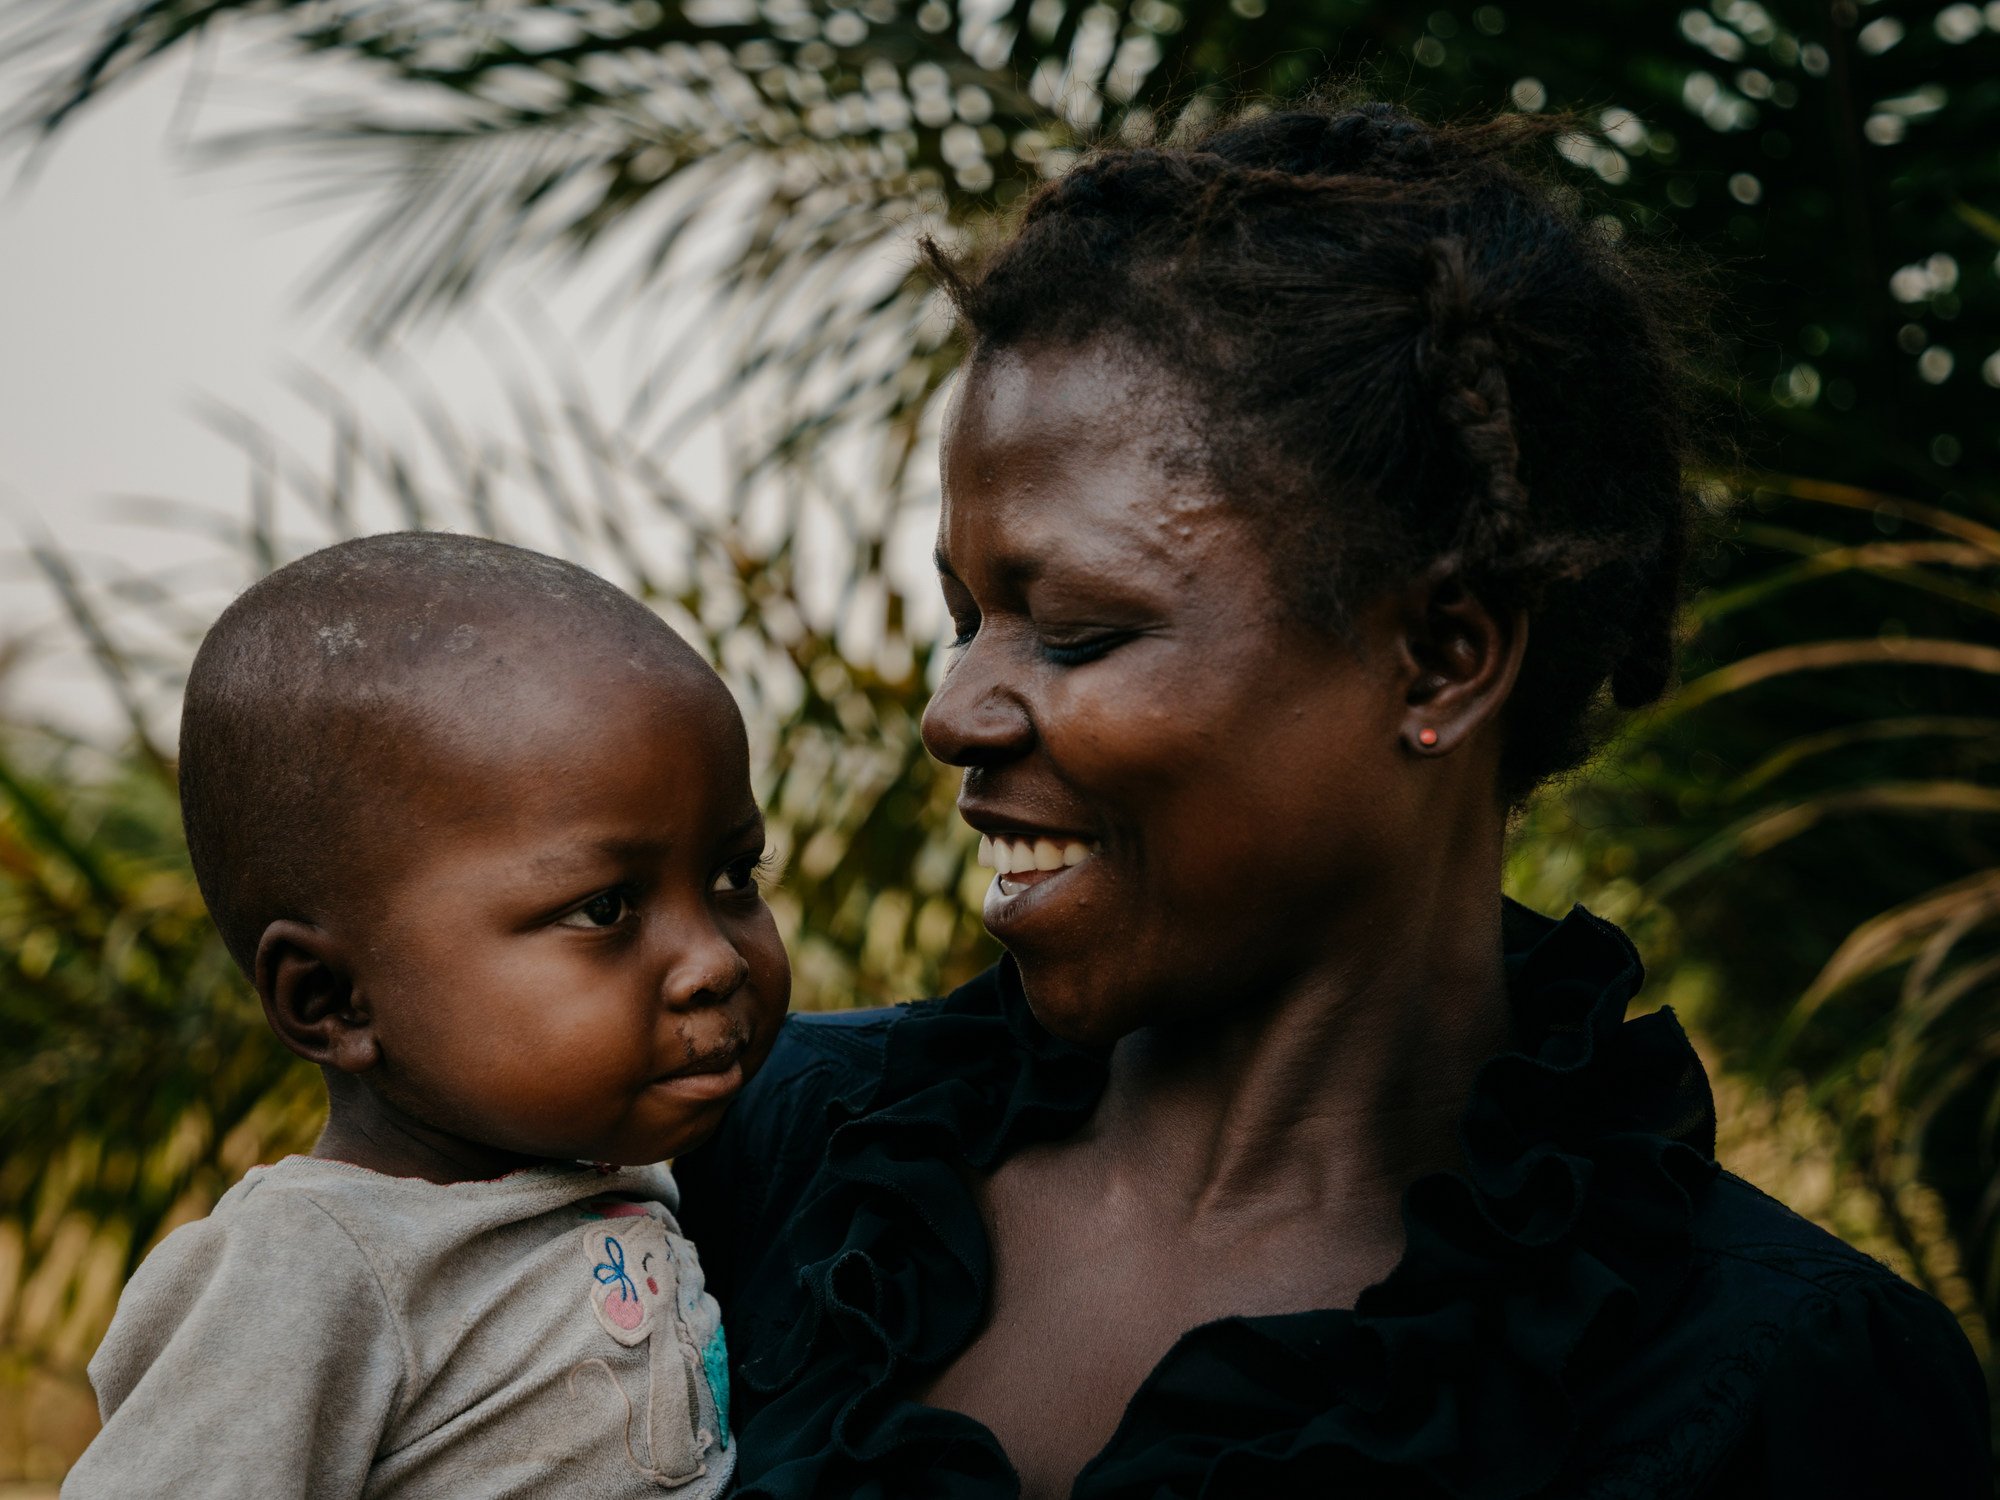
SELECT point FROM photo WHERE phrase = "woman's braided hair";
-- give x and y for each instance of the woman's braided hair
(1404, 351)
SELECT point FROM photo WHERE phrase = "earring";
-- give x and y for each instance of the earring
(1427, 737)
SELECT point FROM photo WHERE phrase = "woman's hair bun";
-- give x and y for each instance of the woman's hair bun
(1371, 139)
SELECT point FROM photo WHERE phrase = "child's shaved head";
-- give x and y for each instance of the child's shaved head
(333, 696)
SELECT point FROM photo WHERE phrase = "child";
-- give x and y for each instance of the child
(479, 828)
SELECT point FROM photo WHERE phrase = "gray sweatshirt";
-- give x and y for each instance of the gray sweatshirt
(330, 1332)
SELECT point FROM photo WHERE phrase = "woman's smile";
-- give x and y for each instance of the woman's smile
(1031, 875)
(1023, 856)
(1033, 867)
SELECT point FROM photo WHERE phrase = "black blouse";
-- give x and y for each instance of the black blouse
(1591, 1307)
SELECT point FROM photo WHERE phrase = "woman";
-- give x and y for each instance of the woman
(1305, 493)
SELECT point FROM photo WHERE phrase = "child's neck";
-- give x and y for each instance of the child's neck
(364, 1130)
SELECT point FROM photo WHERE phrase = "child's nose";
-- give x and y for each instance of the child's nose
(706, 971)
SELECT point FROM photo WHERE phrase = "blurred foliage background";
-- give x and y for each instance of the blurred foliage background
(1802, 840)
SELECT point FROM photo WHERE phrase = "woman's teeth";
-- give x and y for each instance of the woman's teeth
(1019, 856)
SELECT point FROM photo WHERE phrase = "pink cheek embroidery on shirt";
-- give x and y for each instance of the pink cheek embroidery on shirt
(626, 1312)
(621, 1298)
(652, 1286)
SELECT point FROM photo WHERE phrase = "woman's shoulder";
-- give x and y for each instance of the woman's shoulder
(1812, 1291)
(822, 1058)
(738, 1185)
(1760, 1248)
(742, 1185)
(1810, 1367)
(826, 1053)
(1765, 1268)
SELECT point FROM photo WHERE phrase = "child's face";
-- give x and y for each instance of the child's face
(573, 959)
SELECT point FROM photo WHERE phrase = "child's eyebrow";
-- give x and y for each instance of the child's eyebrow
(587, 857)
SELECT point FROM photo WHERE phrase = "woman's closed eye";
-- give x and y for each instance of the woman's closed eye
(959, 604)
(1074, 651)
(605, 909)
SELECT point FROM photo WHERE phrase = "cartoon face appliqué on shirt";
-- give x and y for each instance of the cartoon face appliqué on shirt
(642, 1293)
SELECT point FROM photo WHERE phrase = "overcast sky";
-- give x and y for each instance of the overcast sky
(144, 285)
(138, 286)
(143, 288)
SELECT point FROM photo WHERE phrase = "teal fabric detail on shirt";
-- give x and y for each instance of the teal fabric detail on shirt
(715, 1361)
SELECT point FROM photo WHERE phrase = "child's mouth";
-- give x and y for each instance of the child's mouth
(716, 1075)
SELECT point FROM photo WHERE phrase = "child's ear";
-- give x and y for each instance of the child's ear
(309, 998)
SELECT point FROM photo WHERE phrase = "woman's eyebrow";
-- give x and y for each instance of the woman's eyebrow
(1011, 570)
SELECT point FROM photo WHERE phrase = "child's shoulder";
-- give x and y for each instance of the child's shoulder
(270, 1209)
(306, 1244)
(278, 1219)
(299, 1206)
(376, 1331)
(401, 1230)
(268, 1267)
(318, 1227)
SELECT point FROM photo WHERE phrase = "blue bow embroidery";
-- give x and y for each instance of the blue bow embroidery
(613, 1270)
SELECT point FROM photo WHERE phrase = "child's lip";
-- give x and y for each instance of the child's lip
(711, 1079)
(710, 1074)
(720, 1060)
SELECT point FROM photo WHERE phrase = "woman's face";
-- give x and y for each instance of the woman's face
(1216, 783)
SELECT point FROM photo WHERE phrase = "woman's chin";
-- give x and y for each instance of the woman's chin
(1072, 1006)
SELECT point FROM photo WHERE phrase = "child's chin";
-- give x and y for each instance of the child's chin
(670, 1117)
(664, 1146)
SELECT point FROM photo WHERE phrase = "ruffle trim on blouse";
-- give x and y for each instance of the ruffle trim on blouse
(1565, 1236)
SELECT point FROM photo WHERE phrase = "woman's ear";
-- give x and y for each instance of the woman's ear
(1461, 660)
(309, 998)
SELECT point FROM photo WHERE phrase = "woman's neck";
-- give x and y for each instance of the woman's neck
(1331, 1095)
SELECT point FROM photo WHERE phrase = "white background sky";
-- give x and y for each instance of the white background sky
(143, 284)
(136, 285)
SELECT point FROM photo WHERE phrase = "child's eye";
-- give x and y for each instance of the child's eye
(605, 909)
(738, 877)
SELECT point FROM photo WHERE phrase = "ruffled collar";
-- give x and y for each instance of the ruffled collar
(1587, 1149)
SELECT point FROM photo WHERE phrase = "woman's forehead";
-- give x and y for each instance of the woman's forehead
(1061, 453)
(1102, 391)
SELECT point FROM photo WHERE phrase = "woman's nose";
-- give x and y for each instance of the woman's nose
(976, 718)
(705, 970)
